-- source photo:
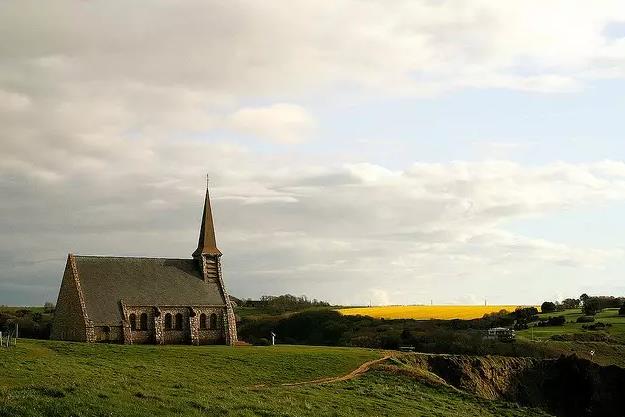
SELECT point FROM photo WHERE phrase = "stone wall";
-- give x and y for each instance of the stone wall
(156, 333)
(173, 336)
(211, 267)
(138, 335)
(108, 334)
(214, 335)
(69, 320)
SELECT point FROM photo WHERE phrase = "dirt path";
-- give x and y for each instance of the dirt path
(353, 374)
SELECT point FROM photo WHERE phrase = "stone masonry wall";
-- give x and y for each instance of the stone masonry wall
(142, 336)
(211, 266)
(69, 322)
(191, 333)
(108, 334)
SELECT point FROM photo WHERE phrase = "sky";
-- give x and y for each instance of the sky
(360, 152)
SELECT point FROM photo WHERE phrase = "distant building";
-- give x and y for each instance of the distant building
(501, 333)
(147, 300)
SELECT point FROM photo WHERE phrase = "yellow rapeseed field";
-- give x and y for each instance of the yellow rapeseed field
(425, 312)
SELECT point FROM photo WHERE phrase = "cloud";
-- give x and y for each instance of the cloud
(243, 48)
(321, 230)
(111, 113)
(282, 123)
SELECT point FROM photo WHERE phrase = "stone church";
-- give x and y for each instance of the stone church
(147, 300)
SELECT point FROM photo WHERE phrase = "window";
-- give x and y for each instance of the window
(133, 322)
(167, 321)
(203, 321)
(178, 321)
(143, 321)
(213, 321)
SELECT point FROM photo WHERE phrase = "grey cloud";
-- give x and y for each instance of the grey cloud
(396, 227)
(99, 103)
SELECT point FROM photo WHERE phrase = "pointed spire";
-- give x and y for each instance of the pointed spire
(206, 244)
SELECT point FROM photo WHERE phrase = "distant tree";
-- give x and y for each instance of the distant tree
(548, 307)
(284, 303)
(591, 306)
(621, 311)
(526, 314)
(583, 298)
(48, 307)
(570, 303)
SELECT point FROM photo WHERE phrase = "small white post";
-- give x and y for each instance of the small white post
(273, 339)
(0, 339)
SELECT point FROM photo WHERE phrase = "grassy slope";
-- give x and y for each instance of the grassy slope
(605, 353)
(609, 315)
(71, 379)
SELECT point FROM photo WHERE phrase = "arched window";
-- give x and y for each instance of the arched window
(213, 321)
(167, 321)
(143, 321)
(202, 321)
(133, 322)
(178, 321)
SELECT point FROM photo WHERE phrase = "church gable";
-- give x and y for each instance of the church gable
(69, 317)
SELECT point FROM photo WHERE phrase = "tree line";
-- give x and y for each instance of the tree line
(590, 305)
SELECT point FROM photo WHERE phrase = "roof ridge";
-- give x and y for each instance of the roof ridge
(131, 257)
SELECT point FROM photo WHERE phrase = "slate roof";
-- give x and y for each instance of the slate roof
(141, 281)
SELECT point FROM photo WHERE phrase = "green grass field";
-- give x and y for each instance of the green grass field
(610, 315)
(612, 353)
(46, 378)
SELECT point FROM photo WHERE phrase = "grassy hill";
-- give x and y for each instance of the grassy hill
(71, 379)
(607, 316)
(608, 344)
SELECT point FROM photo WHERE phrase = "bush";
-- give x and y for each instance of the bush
(552, 321)
(582, 337)
(31, 325)
(585, 319)
(621, 311)
(548, 307)
(596, 326)
(259, 341)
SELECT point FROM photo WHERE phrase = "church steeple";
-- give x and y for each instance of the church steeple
(206, 244)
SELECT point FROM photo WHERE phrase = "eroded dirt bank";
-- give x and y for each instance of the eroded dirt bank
(567, 387)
